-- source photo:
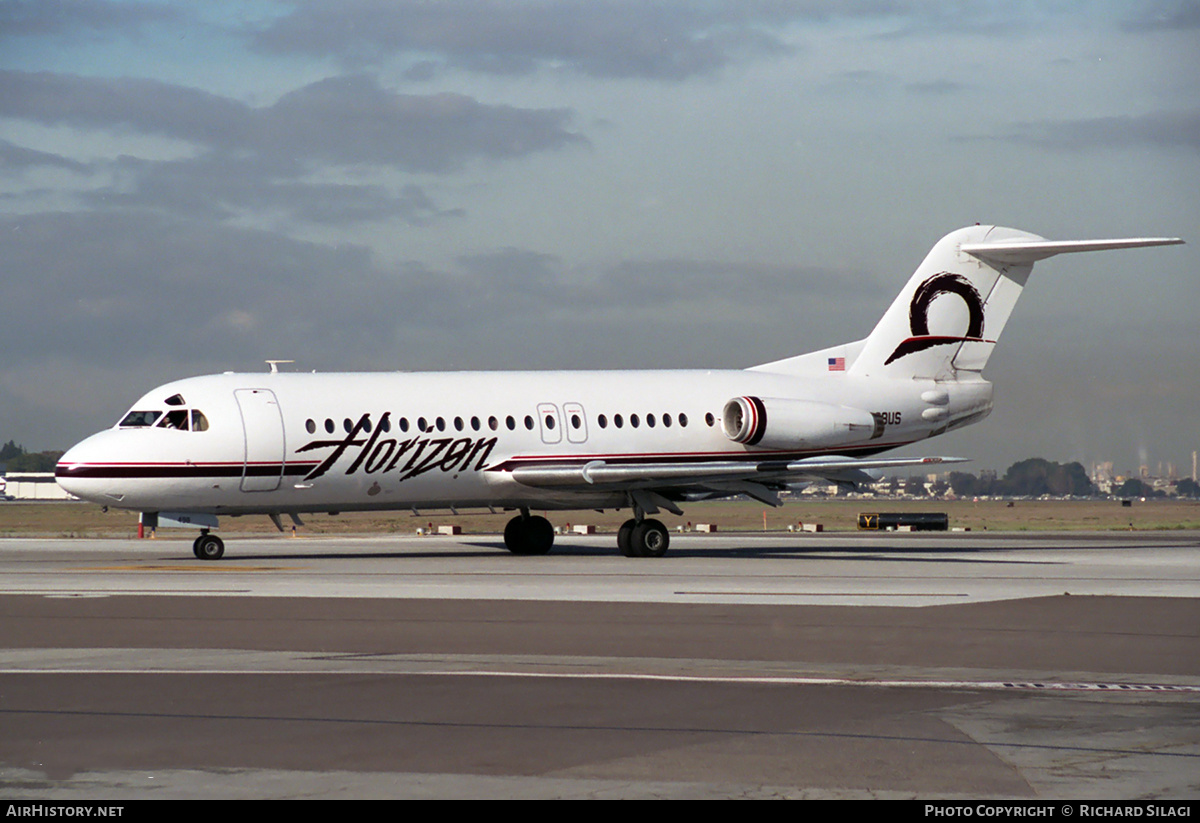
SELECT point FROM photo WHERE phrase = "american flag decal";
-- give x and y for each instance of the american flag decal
(837, 364)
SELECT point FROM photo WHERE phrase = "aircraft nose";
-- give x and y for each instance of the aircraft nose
(77, 468)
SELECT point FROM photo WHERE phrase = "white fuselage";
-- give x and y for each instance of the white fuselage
(294, 442)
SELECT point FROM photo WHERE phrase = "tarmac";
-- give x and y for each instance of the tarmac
(1025, 666)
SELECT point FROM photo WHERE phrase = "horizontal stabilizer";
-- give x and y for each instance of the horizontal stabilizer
(1030, 251)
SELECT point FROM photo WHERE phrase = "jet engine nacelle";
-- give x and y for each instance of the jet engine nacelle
(776, 423)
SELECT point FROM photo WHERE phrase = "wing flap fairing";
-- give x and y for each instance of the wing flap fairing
(597, 473)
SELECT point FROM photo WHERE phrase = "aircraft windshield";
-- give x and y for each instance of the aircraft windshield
(179, 419)
(175, 419)
(140, 418)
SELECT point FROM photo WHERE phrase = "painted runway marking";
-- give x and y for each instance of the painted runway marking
(786, 680)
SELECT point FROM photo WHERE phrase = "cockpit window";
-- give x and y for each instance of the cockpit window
(174, 400)
(179, 419)
(175, 419)
(140, 418)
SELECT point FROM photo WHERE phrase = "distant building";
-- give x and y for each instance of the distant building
(33, 486)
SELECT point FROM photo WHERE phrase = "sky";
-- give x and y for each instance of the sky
(196, 187)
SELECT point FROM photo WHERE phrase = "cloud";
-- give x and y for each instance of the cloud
(354, 120)
(223, 187)
(348, 119)
(122, 288)
(248, 158)
(36, 18)
(937, 88)
(141, 298)
(1163, 15)
(661, 40)
(140, 105)
(18, 158)
(1164, 130)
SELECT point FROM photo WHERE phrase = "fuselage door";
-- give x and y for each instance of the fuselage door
(550, 423)
(576, 422)
(262, 428)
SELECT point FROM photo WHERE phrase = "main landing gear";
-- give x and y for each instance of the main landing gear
(528, 535)
(645, 538)
(531, 535)
(208, 546)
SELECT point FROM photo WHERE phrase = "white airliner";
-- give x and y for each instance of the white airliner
(288, 443)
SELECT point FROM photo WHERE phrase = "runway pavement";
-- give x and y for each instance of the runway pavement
(965, 665)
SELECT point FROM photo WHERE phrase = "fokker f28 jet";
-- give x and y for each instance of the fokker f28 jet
(289, 443)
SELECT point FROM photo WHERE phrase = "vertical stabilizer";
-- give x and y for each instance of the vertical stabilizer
(951, 312)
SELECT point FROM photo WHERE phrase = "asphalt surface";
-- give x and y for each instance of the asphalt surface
(949, 666)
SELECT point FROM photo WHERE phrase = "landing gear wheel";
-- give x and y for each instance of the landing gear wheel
(649, 539)
(528, 535)
(623, 538)
(208, 547)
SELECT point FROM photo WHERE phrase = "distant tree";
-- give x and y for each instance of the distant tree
(1134, 487)
(1037, 476)
(914, 486)
(1187, 487)
(10, 450)
(964, 484)
(35, 462)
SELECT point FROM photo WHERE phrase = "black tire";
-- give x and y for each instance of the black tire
(209, 547)
(529, 536)
(196, 547)
(514, 534)
(649, 539)
(623, 538)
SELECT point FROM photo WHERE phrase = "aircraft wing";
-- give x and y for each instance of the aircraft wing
(753, 477)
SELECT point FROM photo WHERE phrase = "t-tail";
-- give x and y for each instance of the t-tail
(946, 321)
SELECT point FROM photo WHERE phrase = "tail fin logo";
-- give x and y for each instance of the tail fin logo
(918, 314)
